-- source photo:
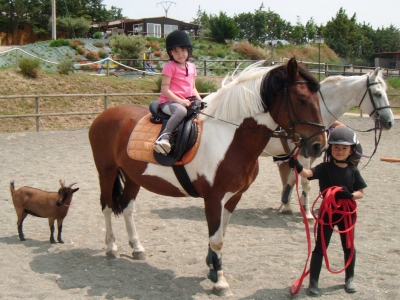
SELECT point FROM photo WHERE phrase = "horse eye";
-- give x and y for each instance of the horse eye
(378, 95)
(302, 101)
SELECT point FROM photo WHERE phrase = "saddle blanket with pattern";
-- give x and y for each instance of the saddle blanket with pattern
(145, 133)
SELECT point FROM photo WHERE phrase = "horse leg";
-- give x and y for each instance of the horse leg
(217, 231)
(130, 192)
(112, 248)
(286, 195)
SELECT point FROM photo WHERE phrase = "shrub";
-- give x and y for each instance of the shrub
(59, 43)
(65, 67)
(29, 67)
(97, 35)
(80, 50)
(250, 51)
(102, 53)
(204, 85)
(158, 53)
(128, 46)
(98, 44)
(91, 55)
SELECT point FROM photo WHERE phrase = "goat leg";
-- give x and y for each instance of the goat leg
(59, 239)
(20, 233)
(51, 224)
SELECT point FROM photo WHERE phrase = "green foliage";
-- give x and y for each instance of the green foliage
(223, 27)
(102, 53)
(29, 67)
(128, 46)
(393, 82)
(72, 27)
(97, 35)
(59, 43)
(65, 67)
(203, 85)
(98, 44)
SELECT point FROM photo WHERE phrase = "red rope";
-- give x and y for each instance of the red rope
(347, 208)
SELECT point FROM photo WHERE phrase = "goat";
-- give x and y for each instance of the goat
(42, 204)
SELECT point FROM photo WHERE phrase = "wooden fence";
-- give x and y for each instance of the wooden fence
(37, 115)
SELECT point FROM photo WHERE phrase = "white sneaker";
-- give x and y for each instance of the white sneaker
(162, 146)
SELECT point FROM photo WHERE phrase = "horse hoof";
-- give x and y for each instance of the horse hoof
(139, 255)
(222, 292)
(112, 254)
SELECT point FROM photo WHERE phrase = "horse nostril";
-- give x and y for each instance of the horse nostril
(316, 148)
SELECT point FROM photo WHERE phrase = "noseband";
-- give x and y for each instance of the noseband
(376, 109)
(289, 107)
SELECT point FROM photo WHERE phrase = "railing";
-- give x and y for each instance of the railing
(204, 67)
(37, 115)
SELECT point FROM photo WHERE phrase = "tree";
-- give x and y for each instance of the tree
(343, 35)
(203, 20)
(73, 27)
(223, 27)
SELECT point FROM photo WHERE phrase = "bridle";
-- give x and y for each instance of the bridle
(288, 106)
(377, 117)
(286, 99)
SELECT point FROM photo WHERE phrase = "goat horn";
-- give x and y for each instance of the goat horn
(62, 182)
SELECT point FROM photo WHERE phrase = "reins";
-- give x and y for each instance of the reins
(329, 206)
(285, 97)
(377, 137)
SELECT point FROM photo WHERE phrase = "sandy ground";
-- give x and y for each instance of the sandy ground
(264, 251)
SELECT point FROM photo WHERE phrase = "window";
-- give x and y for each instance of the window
(154, 30)
(169, 28)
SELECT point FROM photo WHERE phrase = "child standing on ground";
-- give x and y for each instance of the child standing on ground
(337, 171)
(178, 83)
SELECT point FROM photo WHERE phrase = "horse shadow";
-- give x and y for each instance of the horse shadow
(113, 278)
(268, 218)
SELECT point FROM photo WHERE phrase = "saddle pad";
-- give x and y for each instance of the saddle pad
(143, 136)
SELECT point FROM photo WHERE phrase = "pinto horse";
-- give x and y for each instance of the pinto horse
(237, 124)
(337, 95)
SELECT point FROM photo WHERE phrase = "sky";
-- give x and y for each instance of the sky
(376, 13)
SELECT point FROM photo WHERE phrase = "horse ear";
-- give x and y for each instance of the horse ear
(374, 75)
(292, 68)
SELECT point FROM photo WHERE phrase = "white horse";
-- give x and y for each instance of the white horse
(337, 95)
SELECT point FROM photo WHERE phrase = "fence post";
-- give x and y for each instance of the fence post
(105, 99)
(37, 112)
(16, 58)
(107, 67)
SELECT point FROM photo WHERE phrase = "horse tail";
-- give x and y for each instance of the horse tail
(118, 190)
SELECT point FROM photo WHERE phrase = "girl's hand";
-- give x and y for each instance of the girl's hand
(185, 102)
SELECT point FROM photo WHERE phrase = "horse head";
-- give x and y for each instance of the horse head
(378, 107)
(291, 92)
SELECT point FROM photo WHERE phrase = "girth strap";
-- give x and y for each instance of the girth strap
(184, 180)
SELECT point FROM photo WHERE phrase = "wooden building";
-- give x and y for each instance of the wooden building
(387, 60)
(156, 27)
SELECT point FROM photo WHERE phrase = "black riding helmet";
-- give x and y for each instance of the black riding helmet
(342, 136)
(178, 38)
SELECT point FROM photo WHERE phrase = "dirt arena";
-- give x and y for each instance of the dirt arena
(263, 253)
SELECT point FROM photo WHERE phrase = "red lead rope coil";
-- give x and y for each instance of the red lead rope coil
(329, 206)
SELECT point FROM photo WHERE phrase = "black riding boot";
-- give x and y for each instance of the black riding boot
(315, 269)
(350, 287)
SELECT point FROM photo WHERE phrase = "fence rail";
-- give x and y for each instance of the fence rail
(37, 115)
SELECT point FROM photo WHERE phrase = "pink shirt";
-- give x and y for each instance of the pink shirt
(181, 85)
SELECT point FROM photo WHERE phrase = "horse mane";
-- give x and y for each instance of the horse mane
(277, 79)
(239, 95)
(339, 78)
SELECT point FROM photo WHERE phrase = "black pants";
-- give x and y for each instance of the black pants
(327, 232)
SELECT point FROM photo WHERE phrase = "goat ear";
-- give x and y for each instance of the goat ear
(75, 190)
(72, 184)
